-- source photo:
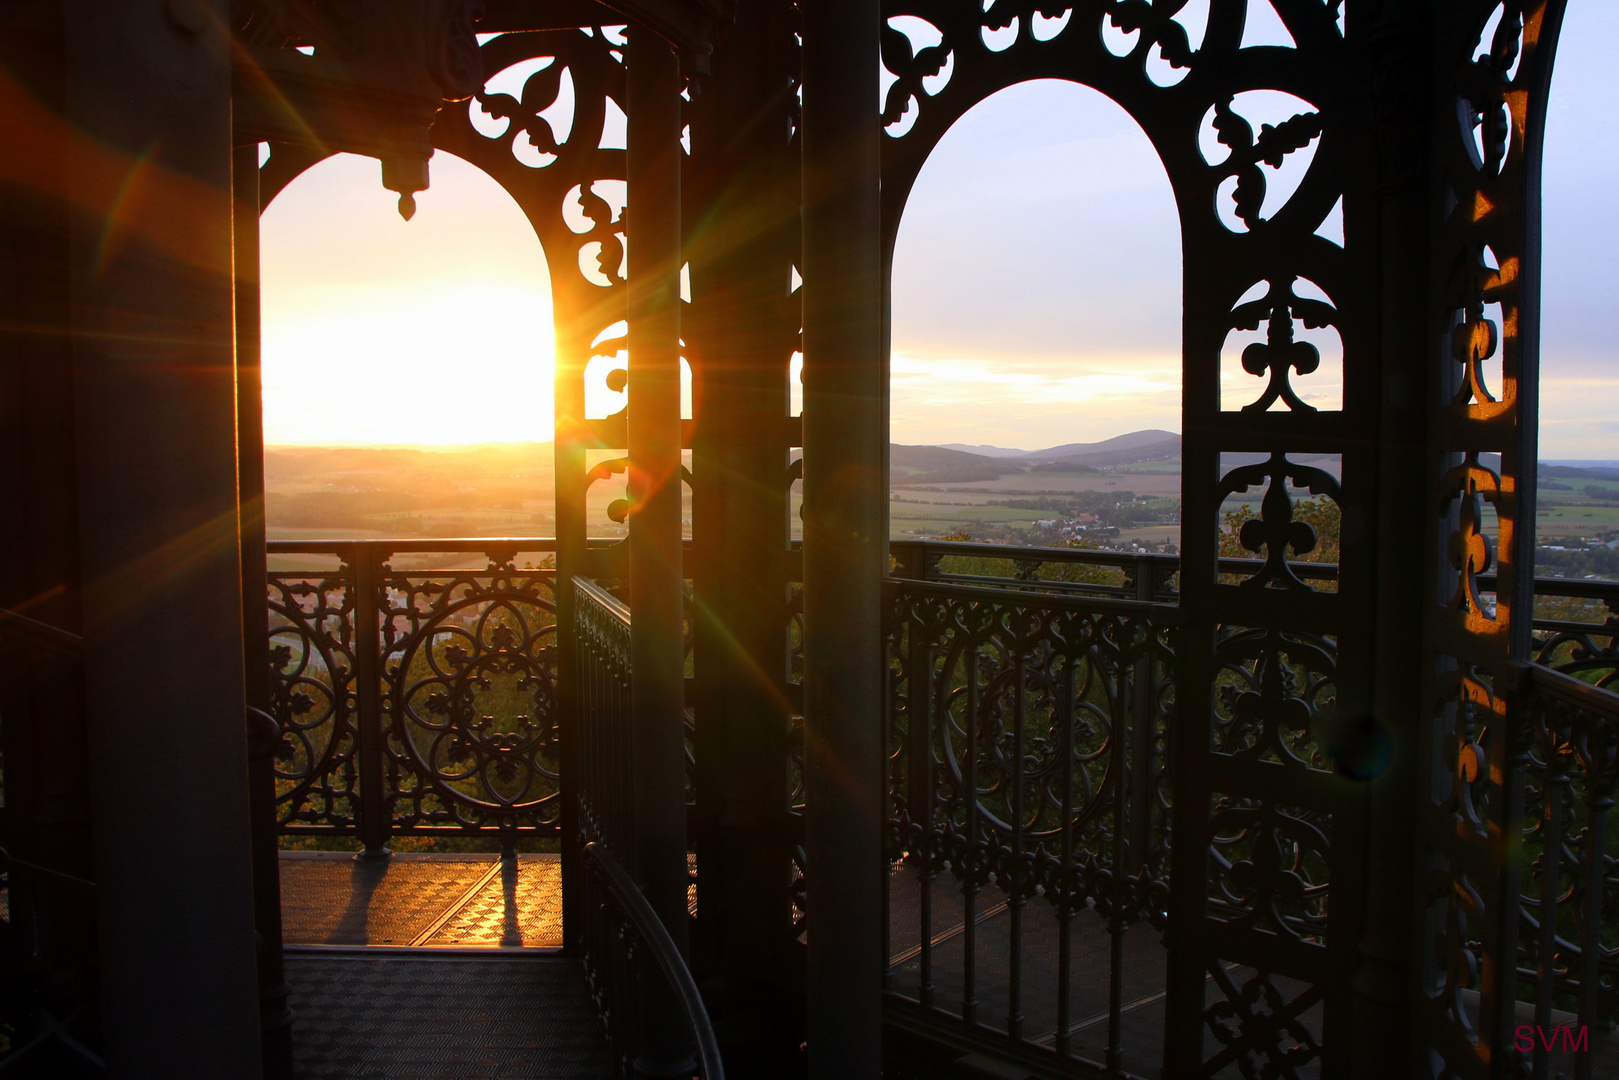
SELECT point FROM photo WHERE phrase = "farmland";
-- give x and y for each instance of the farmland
(1124, 492)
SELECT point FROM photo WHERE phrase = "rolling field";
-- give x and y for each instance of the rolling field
(360, 493)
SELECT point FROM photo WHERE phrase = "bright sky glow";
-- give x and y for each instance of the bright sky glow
(1037, 278)
(1579, 349)
(379, 331)
(1036, 287)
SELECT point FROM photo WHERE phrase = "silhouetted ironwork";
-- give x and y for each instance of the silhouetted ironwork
(1029, 794)
(448, 702)
(625, 945)
(1031, 854)
(452, 675)
(1565, 761)
(634, 912)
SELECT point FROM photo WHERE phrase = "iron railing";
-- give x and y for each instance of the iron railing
(1029, 820)
(1566, 757)
(1029, 850)
(41, 1020)
(636, 973)
(415, 703)
(638, 922)
(424, 702)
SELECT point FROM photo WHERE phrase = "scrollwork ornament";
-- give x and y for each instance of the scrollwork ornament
(912, 67)
(1249, 151)
(1478, 719)
(1472, 551)
(1484, 85)
(1156, 22)
(471, 696)
(1274, 532)
(313, 700)
(1268, 867)
(1276, 692)
(1256, 1022)
(1281, 352)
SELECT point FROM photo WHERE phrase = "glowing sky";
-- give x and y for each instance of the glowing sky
(382, 331)
(1036, 286)
(1037, 278)
(1579, 410)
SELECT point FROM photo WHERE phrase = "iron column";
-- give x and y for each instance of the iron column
(148, 131)
(845, 537)
(657, 626)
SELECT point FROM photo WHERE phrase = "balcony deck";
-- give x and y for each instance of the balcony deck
(433, 900)
(439, 1014)
(369, 1005)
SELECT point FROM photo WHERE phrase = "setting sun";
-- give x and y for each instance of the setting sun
(378, 331)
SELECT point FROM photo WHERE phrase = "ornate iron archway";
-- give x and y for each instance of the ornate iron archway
(1290, 941)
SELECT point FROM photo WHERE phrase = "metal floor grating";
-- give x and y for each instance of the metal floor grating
(332, 898)
(444, 1017)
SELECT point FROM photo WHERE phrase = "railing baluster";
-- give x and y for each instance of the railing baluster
(1122, 743)
(969, 882)
(1137, 792)
(374, 815)
(1014, 902)
(925, 987)
(1556, 783)
(1597, 803)
(1065, 909)
(919, 685)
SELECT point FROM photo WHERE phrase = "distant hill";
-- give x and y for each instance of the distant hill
(983, 451)
(942, 465)
(1581, 470)
(1153, 444)
(963, 463)
(927, 458)
(1153, 441)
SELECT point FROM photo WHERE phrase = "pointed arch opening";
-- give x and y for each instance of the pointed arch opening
(396, 348)
(1036, 329)
(1578, 485)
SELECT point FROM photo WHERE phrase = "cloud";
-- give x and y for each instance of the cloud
(1030, 402)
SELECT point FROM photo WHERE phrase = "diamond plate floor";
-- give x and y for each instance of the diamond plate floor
(443, 1017)
(331, 898)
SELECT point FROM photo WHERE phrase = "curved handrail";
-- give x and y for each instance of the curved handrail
(17, 625)
(263, 734)
(1547, 680)
(8, 860)
(663, 949)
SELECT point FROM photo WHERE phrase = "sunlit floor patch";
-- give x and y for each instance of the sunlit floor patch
(332, 898)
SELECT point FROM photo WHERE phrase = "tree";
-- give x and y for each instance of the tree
(1320, 513)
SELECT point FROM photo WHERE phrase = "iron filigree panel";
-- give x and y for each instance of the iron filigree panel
(454, 672)
(1494, 59)
(314, 698)
(1027, 804)
(470, 699)
(1567, 949)
(1262, 180)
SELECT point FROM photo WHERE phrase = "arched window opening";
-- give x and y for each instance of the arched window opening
(1036, 350)
(408, 367)
(1577, 516)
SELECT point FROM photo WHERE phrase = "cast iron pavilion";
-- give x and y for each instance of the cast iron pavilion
(835, 809)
